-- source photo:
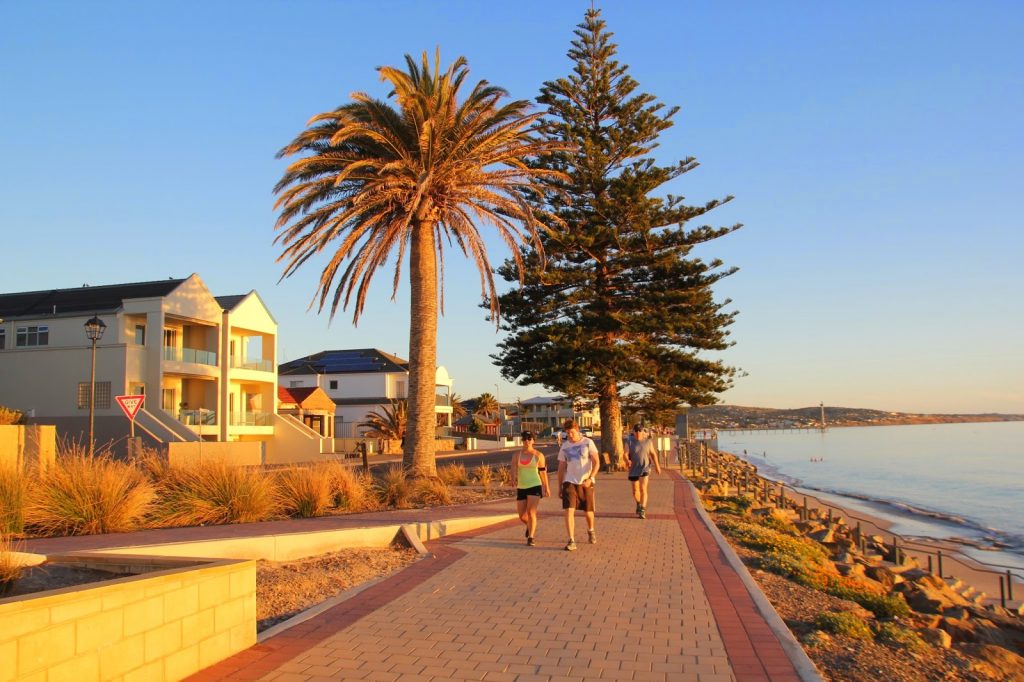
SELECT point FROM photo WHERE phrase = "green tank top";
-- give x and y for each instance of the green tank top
(528, 474)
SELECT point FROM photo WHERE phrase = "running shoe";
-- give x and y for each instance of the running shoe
(571, 547)
(643, 513)
(592, 536)
(530, 542)
(639, 508)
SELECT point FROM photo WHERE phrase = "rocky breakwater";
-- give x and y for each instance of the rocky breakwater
(877, 592)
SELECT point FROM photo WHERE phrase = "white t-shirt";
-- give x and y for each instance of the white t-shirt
(577, 458)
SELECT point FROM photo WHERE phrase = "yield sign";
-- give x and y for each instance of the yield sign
(130, 404)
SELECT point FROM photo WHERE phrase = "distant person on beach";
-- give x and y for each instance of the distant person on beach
(642, 456)
(578, 465)
(530, 478)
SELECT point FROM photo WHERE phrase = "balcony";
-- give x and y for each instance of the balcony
(198, 417)
(252, 419)
(192, 355)
(254, 365)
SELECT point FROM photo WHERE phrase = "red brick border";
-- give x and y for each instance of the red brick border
(754, 651)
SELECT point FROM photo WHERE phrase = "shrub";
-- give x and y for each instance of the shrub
(882, 605)
(431, 492)
(10, 570)
(12, 500)
(899, 637)
(505, 475)
(154, 464)
(9, 416)
(844, 623)
(484, 475)
(353, 491)
(215, 493)
(306, 491)
(82, 495)
(394, 489)
(453, 474)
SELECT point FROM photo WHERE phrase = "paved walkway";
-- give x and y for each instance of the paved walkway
(654, 599)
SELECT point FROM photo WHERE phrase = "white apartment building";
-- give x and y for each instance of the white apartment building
(552, 411)
(363, 380)
(207, 365)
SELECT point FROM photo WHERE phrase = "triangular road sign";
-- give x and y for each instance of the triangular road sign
(130, 404)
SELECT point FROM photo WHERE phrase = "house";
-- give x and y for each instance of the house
(362, 380)
(310, 405)
(206, 364)
(551, 411)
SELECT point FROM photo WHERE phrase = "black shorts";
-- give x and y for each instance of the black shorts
(535, 491)
(577, 496)
(637, 478)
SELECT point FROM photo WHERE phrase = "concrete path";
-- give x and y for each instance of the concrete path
(654, 599)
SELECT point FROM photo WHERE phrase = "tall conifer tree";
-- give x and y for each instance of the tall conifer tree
(616, 297)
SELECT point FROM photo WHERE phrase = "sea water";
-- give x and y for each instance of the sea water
(951, 481)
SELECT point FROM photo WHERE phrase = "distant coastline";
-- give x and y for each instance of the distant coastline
(740, 417)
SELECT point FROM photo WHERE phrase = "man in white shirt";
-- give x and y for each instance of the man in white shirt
(577, 470)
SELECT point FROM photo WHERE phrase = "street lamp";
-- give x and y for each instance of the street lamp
(94, 329)
(497, 399)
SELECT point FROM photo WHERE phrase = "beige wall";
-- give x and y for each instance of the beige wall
(162, 626)
(237, 453)
(30, 447)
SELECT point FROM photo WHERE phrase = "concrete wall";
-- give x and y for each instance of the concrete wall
(294, 442)
(237, 453)
(158, 626)
(30, 447)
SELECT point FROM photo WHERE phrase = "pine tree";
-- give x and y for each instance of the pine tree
(615, 298)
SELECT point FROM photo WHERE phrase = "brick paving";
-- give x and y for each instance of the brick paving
(655, 599)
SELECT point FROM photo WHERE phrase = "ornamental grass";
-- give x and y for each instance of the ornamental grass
(504, 473)
(13, 486)
(82, 495)
(484, 475)
(306, 491)
(453, 474)
(209, 493)
(353, 491)
(10, 568)
(431, 492)
(394, 489)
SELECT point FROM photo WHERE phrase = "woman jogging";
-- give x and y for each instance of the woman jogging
(642, 455)
(530, 476)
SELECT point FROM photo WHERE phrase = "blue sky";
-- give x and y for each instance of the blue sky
(875, 152)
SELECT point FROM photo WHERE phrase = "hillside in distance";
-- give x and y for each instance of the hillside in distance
(739, 417)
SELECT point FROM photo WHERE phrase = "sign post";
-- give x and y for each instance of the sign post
(130, 405)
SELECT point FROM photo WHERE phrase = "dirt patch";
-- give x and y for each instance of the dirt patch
(56, 576)
(285, 589)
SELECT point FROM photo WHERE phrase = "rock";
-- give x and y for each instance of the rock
(936, 637)
(988, 632)
(843, 558)
(884, 575)
(923, 599)
(957, 612)
(850, 570)
(995, 661)
(822, 535)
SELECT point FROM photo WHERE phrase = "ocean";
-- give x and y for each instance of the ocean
(962, 482)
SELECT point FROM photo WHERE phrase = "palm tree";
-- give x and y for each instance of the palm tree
(375, 181)
(458, 409)
(390, 423)
(487, 405)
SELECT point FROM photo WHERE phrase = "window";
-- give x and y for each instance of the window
(140, 335)
(102, 395)
(333, 384)
(294, 384)
(400, 389)
(3, 339)
(167, 400)
(32, 336)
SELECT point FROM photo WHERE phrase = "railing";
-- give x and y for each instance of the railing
(441, 400)
(252, 419)
(197, 416)
(193, 355)
(256, 365)
(745, 478)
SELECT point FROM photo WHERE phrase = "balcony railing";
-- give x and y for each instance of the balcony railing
(256, 365)
(441, 400)
(197, 417)
(193, 355)
(252, 419)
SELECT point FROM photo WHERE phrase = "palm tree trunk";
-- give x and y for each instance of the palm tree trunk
(611, 423)
(418, 455)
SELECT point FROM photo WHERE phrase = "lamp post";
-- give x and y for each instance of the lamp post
(497, 399)
(94, 329)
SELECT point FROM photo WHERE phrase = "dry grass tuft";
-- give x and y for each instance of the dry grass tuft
(80, 495)
(215, 493)
(306, 491)
(504, 473)
(13, 486)
(353, 490)
(154, 464)
(484, 475)
(394, 488)
(9, 416)
(431, 492)
(453, 474)
(10, 570)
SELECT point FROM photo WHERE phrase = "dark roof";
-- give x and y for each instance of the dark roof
(84, 299)
(353, 361)
(229, 302)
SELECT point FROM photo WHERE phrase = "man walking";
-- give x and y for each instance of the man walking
(642, 456)
(577, 468)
